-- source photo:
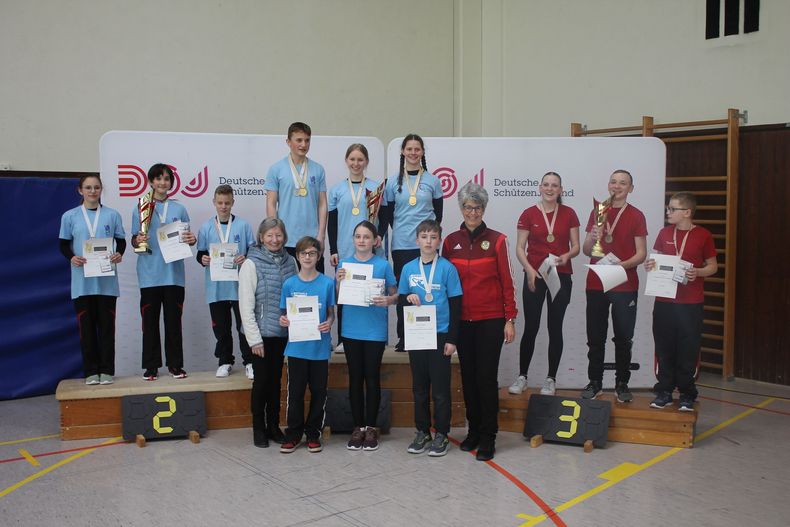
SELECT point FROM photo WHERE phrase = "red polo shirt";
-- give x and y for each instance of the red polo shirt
(631, 225)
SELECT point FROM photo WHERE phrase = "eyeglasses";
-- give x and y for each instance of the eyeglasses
(469, 208)
(309, 254)
(670, 210)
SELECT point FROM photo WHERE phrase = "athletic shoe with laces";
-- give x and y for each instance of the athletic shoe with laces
(314, 445)
(662, 400)
(439, 446)
(223, 370)
(420, 442)
(686, 404)
(290, 445)
(371, 441)
(549, 387)
(624, 395)
(105, 378)
(260, 439)
(177, 373)
(470, 443)
(486, 450)
(249, 372)
(357, 438)
(90, 380)
(519, 385)
(592, 390)
(151, 374)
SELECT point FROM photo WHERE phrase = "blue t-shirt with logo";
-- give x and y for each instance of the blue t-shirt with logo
(152, 271)
(368, 323)
(405, 217)
(339, 199)
(241, 235)
(299, 213)
(324, 288)
(446, 284)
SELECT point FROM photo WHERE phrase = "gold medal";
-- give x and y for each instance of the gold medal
(412, 200)
(301, 192)
(609, 238)
(355, 211)
(550, 238)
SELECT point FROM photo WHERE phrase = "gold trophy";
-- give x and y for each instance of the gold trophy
(601, 208)
(373, 202)
(145, 205)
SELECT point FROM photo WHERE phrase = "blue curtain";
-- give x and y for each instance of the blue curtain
(39, 342)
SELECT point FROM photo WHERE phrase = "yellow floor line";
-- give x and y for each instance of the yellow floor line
(30, 459)
(50, 468)
(626, 470)
(15, 441)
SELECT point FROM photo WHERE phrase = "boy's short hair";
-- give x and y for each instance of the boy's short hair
(626, 172)
(299, 127)
(305, 243)
(224, 189)
(429, 226)
(687, 200)
(160, 169)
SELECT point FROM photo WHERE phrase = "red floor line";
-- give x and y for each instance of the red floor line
(744, 405)
(64, 451)
(548, 511)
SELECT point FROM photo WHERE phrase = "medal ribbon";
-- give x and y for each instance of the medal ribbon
(223, 238)
(300, 177)
(610, 228)
(429, 282)
(356, 198)
(91, 228)
(163, 216)
(550, 227)
(413, 190)
(682, 245)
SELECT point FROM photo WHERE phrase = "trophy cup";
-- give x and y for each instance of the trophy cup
(145, 205)
(601, 208)
(373, 202)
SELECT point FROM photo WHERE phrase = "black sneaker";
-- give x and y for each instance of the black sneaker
(470, 443)
(151, 374)
(275, 434)
(686, 404)
(420, 442)
(357, 438)
(662, 400)
(624, 395)
(592, 390)
(177, 373)
(259, 439)
(486, 450)
(439, 446)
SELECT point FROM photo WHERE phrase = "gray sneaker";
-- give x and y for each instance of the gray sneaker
(624, 395)
(440, 445)
(592, 390)
(421, 440)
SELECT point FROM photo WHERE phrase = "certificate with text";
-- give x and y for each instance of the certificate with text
(303, 315)
(173, 249)
(354, 287)
(660, 280)
(97, 252)
(419, 327)
(221, 267)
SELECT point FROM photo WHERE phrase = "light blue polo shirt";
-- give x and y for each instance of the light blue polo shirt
(339, 199)
(405, 217)
(300, 214)
(241, 235)
(73, 227)
(368, 323)
(152, 271)
(324, 288)
(446, 284)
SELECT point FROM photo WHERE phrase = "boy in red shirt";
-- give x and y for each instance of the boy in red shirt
(677, 322)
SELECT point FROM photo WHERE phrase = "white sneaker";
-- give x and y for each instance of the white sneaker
(223, 370)
(549, 387)
(249, 371)
(519, 385)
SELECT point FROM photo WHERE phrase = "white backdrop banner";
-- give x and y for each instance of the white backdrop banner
(510, 169)
(201, 163)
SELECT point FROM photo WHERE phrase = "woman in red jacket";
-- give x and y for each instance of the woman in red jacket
(487, 315)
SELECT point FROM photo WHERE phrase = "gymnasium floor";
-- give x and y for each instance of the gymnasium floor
(738, 473)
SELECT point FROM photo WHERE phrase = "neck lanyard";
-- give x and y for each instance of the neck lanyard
(355, 198)
(223, 238)
(300, 177)
(682, 245)
(163, 216)
(91, 228)
(429, 282)
(549, 227)
(413, 190)
(610, 228)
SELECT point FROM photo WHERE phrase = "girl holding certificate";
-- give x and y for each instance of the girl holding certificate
(410, 197)
(364, 332)
(261, 279)
(548, 235)
(84, 230)
(623, 240)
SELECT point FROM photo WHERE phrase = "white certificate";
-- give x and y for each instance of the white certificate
(304, 318)
(661, 280)
(354, 289)
(609, 259)
(611, 275)
(97, 252)
(221, 266)
(173, 249)
(548, 271)
(419, 327)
